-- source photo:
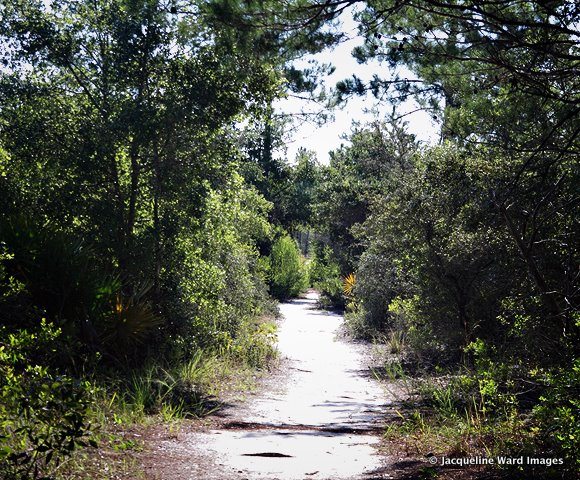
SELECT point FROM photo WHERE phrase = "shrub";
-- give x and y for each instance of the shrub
(63, 277)
(325, 277)
(288, 274)
(216, 275)
(558, 413)
(43, 415)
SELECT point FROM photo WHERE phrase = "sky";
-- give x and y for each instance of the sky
(322, 139)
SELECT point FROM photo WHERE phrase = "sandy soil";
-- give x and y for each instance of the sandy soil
(319, 417)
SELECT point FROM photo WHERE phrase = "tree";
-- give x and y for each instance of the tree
(119, 121)
(355, 175)
(135, 109)
(263, 167)
(502, 78)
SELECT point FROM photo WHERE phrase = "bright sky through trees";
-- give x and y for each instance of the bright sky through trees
(329, 136)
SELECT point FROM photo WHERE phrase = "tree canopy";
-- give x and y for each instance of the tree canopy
(149, 217)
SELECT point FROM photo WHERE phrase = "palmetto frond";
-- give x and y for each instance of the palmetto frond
(348, 284)
(132, 320)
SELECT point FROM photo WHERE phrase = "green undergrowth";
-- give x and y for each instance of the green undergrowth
(325, 277)
(57, 425)
(485, 408)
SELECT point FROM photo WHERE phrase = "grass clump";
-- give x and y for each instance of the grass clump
(489, 408)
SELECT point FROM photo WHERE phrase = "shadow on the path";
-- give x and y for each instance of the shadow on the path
(301, 301)
(323, 313)
(288, 429)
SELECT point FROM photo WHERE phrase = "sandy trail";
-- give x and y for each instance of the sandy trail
(321, 422)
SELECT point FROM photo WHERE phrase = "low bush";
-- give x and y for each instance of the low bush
(558, 413)
(288, 272)
(325, 277)
(492, 407)
(43, 415)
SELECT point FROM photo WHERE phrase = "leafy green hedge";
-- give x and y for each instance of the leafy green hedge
(325, 277)
(43, 415)
(288, 272)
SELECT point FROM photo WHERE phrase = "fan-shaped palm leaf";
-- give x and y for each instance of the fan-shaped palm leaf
(348, 284)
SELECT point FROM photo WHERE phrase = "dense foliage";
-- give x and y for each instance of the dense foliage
(146, 214)
(43, 416)
(467, 252)
(288, 274)
(128, 218)
(324, 272)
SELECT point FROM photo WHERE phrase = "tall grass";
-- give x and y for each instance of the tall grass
(191, 387)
